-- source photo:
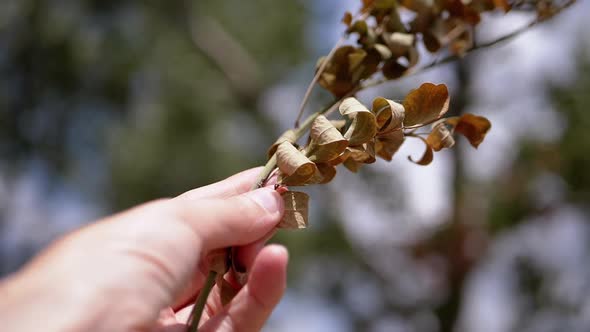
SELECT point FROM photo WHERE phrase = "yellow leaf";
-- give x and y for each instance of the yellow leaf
(296, 210)
(287, 136)
(327, 142)
(427, 157)
(363, 127)
(426, 104)
(440, 137)
(473, 127)
(295, 168)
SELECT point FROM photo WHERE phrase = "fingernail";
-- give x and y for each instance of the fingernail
(267, 198)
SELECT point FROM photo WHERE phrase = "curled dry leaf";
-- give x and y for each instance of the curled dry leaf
(440, 137)
(227, 292)
(363, 127)
(347, 19)
(296, 210)
(426, 104)
(386, 145)
(428, 155)
(473, 127)
(287, 136)
(389, 114)
(327, 142)
(296, 169)
(324, 174)
(390, 118)
(218, 260)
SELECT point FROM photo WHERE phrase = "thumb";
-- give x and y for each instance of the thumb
(233, 221)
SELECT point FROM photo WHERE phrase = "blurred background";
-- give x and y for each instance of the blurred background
(107, 104)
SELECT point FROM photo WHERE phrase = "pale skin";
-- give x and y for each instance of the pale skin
(141, 269)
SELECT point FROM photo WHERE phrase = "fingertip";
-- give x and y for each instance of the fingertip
(268, 278)
(269, 199)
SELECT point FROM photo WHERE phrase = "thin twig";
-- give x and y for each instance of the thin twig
(315, 79)
(197, 312)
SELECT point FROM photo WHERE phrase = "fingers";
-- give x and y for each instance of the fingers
(234, 185)
(255, 302)
(233, 221)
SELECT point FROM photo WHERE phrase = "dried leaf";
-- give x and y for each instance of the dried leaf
(218, 260)
(389, 114)
(355, 59)
(327, 142)
(440, 137)
(363, 127)
(324, 174)
(473, 127)
(352, 165)
(296, 169)
(341, 158)
(359, 27)
(227, 292)
(296, 210)
(427, 157)
(347, 19)
(387, 145)
(364, 154)
(426, 104)
(399, 43)
(287, 136)
(383, 51)
(431, 42)
(392, 69)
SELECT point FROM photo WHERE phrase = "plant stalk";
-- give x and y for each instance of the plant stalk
(197, 312)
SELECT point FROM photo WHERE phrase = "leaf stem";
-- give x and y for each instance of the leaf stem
(197, 312)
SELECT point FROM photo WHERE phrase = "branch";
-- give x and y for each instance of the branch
(454, 57)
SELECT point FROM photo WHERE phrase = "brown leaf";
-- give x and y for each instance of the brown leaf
(295, 168)
(387, 145)
(473, 127)
(347, 19)
(399, 43)
(440, 137)
(327, 142)
(426, 104)
(340, 159)
(427, 157)
(389, 114)
(503, 4)
(352, 165)
(218, 260)
(346, 68)
(227, 292)
(363, 127)
(324, 174)
(392, 69)
(287, 136)
(364, 153)
(296, 210)
(431, 42)
(383, 51)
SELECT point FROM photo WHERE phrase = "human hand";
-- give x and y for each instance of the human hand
(139, 270)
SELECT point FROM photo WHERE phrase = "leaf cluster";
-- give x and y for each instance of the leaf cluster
(365, 134)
